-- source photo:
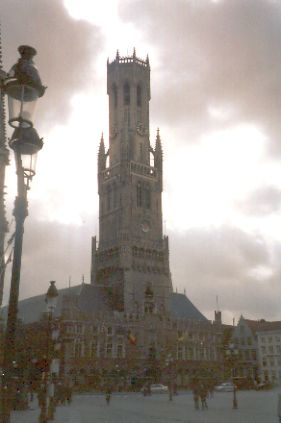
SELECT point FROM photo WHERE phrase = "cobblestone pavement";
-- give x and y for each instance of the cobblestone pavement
(253, 407)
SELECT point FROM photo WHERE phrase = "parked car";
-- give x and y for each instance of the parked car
(156, 388)
(225, 387)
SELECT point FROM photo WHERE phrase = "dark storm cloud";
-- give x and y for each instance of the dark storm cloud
(262, 202)
(66, 48)
(229, 263)
(224, 54)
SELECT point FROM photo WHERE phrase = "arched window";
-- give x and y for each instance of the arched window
(149, 300)
(114, 196)
(108, 198)
(139, 195)
(115, 97)
(139, 96)
(126, 94)
(146, 196)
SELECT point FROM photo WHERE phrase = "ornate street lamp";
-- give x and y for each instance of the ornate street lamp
(23, 87)
(232, 356)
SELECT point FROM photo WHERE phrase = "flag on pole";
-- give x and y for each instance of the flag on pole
(132, 339)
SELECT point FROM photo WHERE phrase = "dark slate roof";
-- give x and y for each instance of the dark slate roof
(31, 309)
(92, 298)
(182, 308)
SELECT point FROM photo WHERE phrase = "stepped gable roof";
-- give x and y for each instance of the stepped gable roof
(181, 307)
(263, 325)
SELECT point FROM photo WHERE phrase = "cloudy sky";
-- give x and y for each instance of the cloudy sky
(216, 97)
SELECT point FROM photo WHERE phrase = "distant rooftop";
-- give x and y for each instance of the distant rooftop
(263, 325)
(182, 308)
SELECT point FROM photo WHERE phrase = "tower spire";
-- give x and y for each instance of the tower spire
(101, 155)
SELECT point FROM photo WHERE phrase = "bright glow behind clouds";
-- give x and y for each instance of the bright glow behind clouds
(214, 173)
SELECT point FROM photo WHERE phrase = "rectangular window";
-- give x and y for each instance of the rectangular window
(180, 353)
(94, 350)
(109, 350)
(77, 350)
(119, 350)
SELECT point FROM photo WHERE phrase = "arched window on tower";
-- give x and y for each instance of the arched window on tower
(139, 195)
(146, 196)
(139, 96)
(148, 300)
(108, 198)
(114, 196)
(115, 96)
(126, 94)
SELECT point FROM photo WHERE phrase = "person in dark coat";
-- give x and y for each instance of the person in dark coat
(203, 392)
(68, 393)
(195, 390)
(108, 395)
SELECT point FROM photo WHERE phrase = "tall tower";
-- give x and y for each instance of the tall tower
(131, 261)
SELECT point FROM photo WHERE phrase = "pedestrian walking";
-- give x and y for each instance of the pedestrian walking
(108, 395)
(195, 391)
(203, 392)
(68, 393)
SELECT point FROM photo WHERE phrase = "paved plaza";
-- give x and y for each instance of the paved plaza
(254, 407)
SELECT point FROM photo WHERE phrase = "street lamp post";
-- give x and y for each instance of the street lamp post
(169, 364)
(48, 400)
(232, 356)
(23, 87)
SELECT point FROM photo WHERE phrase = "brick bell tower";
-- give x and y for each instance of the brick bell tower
(131, 261)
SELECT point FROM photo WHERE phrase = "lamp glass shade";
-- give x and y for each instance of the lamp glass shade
(26, 144)
(22, 101)
(29, 164)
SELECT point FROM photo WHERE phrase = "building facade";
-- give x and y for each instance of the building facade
(259, 346)
(269, 352)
